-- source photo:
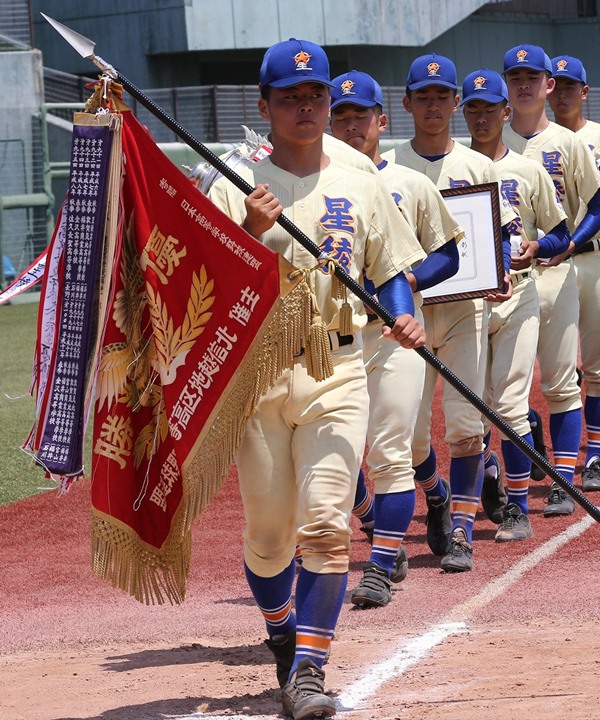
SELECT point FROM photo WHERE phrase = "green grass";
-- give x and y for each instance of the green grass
(20, 477)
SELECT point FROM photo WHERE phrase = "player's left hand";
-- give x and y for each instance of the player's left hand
(407, 331)
(504, 294)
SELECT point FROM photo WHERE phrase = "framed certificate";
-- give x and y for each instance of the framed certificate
(476, 209)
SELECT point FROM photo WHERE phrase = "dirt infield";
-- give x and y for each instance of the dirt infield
(518, 636)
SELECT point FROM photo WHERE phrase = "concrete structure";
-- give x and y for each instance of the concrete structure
(221, 42)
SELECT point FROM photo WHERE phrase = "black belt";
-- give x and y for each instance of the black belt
(372, 318)
(589, 246)
(342, 340)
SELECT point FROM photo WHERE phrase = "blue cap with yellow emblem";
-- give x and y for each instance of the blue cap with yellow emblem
(356, 88)
(486, 85)
(532, 57)
(293, 62)
(569, 67)
(431, 69)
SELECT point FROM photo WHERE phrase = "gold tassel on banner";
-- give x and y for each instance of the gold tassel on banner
(340, 292)
(319, 363)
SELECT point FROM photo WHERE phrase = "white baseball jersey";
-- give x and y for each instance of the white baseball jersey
(587, 267)
(456, 331)
(590, 135)
(566, 159)
(420, 202)
(460, 167)
(514, 324)
(347, 213)
(532, 195)
(393, 371)
(571, 166)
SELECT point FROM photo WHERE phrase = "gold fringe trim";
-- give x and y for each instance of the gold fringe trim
(339, 291)
(151, 575)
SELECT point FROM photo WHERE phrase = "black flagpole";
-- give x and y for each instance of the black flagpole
(85, 47)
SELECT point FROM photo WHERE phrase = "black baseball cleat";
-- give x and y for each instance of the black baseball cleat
(283, 648)
(558, 502)
(459, 556)
(368, 528)
(439, 522)
(537, 433)
(304, 698)
(374, 588)
(400, 567)
(590, 477)
(493, 494)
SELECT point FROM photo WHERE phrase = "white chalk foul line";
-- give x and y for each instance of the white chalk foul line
(420, 647)
(417, 649)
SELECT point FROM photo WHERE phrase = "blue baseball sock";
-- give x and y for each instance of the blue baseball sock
(363, 502)
(518, 470)
(319, 599)
(427, 478)
(393, 513)
(466, 481)
(592, 427)
(273, 595)
(565, 431)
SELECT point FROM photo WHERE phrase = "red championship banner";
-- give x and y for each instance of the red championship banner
(203, 319)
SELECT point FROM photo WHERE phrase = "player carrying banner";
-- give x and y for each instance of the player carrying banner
(303, 447)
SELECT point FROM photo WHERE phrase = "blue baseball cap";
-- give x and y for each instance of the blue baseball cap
(569, 67)
(293, 62)
(431, 69)
(528, 56)
(486, 85)
(356, 88)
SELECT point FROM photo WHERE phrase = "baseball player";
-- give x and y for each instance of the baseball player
(566, 100)
(514, 325)
(303, 446)
(456, 331)
(357, 118)
(570, 164)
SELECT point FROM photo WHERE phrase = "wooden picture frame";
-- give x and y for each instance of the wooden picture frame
(476, 209)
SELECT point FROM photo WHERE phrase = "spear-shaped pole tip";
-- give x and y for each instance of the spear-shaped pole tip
(84, 46)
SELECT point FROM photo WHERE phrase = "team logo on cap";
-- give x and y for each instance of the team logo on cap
(301, 59)
(522, 56)
(347, 86)
(479, 83)
(432, 69)
(561, 65)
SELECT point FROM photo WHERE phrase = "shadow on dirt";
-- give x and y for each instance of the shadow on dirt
(195, 653)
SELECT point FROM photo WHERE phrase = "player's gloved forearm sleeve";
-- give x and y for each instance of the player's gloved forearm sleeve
(590, 224)
(555, 242)
(439, 265)
(396, 296)
(506, 247)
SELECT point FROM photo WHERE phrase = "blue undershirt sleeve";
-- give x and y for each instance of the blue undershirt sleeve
(439, 265)
(396, 296)
(506, 247)
(555, 242)
(590, 224)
